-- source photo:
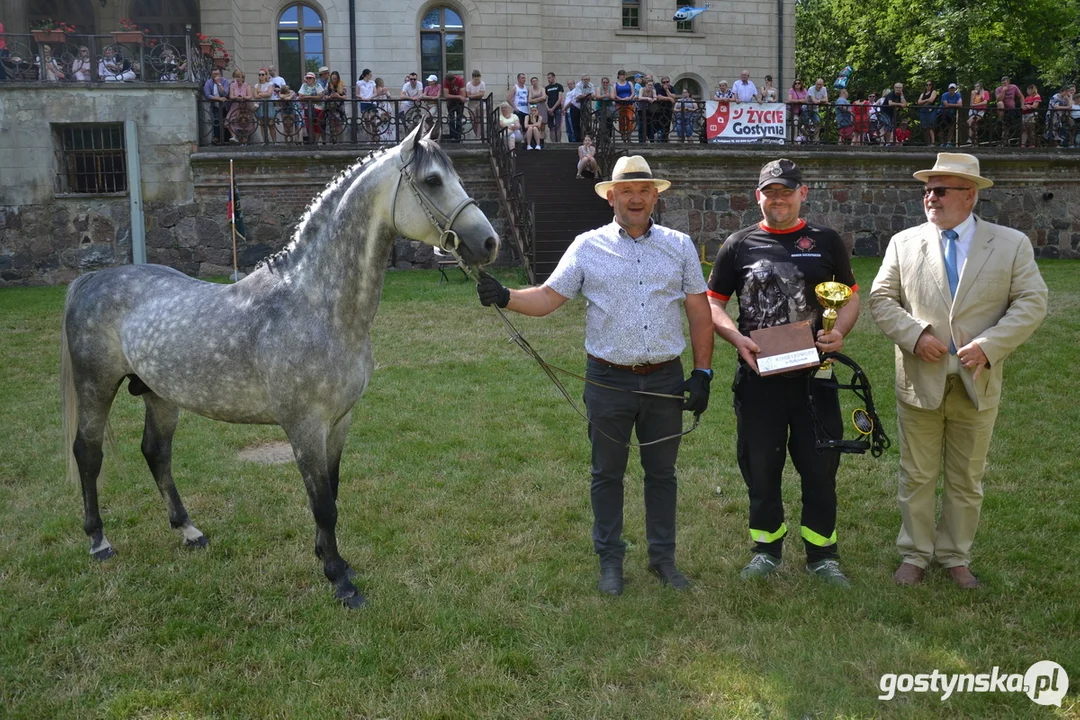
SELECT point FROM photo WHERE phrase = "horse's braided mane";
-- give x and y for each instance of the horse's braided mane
(320, 205)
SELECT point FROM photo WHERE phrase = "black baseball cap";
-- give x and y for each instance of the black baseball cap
(780, 172)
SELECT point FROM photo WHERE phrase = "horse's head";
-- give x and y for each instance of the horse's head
(433, 207)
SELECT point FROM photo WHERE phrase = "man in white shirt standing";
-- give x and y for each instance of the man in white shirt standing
(639, 280)
(817, 95)
(518, 97)
(279, 82)
(744, 88)
(411, 90)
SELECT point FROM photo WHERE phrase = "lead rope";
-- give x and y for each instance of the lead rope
(552, 370)
(449, 241)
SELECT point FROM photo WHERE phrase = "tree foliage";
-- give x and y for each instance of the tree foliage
(941, 40)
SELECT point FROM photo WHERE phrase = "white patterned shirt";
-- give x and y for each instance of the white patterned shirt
(634, 291)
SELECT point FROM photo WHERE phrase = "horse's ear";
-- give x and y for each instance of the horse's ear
(413, 138)
(434, 134)
(418, 133)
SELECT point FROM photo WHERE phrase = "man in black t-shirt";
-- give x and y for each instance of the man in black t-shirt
(663, 107)
(554, 105)
(773, 268)
(894, 101)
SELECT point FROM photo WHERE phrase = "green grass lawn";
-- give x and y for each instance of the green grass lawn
(464, 507)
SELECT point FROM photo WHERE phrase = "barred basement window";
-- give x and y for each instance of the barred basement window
(90, 158)
(630, 14)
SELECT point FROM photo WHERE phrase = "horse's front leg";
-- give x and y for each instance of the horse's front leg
(335, 445)
(311, 446)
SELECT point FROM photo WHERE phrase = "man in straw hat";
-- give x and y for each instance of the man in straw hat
(774, 267)
(957, 295)
(637, 279)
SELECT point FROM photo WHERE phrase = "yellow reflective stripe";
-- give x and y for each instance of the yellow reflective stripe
(820, 540)
(764, 536)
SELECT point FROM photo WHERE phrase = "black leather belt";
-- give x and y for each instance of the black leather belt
(640, 369)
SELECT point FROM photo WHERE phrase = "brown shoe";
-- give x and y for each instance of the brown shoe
(963, 577)
(908, 574)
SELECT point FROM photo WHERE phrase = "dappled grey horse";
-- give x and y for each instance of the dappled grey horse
(287, 345)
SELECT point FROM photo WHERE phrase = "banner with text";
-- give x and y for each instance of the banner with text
(745, 122)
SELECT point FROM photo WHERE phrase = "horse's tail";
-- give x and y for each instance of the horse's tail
(69, 401)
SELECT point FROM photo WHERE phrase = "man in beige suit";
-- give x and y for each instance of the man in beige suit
(957, 295)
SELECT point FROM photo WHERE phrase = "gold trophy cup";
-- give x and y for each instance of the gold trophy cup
(832, 296)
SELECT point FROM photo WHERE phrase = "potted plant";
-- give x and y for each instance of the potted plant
(204, 44)
(129, 32)
(51, 31)
(221, 59)
(217, 51)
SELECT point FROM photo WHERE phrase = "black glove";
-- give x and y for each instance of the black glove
(698, 387)
(491, 292)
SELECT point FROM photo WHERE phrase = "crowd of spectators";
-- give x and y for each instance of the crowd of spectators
(634, 108)
(316, 112)
(1008, 116)
(111, 66)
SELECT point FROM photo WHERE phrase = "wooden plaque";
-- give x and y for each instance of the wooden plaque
(785, 348)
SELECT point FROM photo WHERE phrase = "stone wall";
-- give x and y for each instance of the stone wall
(275, 188)
(53, 242)
(867, 196)
(49, 237)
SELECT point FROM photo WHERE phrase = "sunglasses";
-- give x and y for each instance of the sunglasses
(940, 190)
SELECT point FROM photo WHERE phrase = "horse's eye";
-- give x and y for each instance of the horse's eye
(433, 181)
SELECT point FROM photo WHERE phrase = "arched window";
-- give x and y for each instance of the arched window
(688, 83)
(167, 17)
(300, 43)
(442, 43)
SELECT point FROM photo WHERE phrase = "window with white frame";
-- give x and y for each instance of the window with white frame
(442, 43)
(300, 40)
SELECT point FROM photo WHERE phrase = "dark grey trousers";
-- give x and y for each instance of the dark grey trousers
(616, 414)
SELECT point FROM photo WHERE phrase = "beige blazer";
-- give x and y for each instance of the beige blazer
(1000, 300)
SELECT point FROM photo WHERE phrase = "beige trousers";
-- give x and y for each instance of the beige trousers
(960, 434)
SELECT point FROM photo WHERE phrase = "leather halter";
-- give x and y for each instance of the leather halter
(448, 239)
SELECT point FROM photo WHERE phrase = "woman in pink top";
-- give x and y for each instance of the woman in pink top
(241, 117)
(797, 99)
(432, 91)
(1028, 133)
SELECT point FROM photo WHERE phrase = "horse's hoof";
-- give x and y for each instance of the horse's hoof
(103, 554)
(197, 544)
(347, 593)
(354, 601)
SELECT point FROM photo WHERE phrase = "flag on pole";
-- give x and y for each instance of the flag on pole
(236, 215)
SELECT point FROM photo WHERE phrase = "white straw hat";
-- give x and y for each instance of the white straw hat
(959, 165)
(631, 169)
